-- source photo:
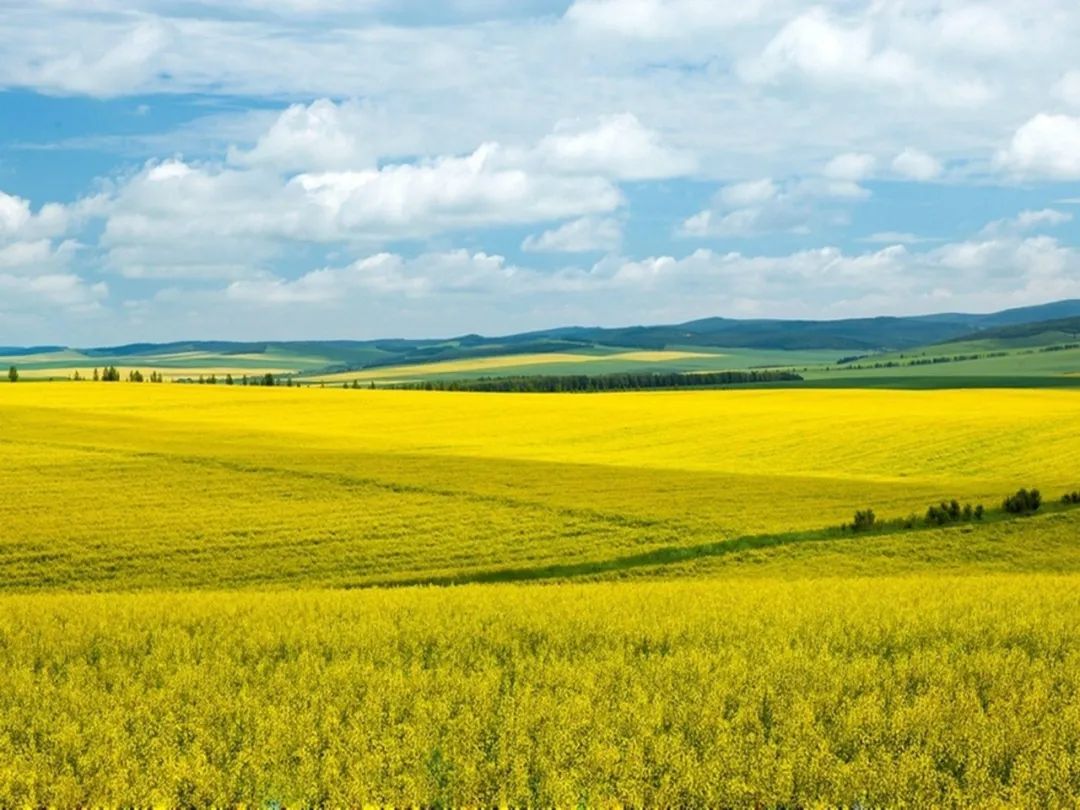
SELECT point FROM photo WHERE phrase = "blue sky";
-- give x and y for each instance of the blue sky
(332, 169)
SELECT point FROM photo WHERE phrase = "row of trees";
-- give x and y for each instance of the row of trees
(266, 379)
(845, 363)
(629, 381)
(112, 374)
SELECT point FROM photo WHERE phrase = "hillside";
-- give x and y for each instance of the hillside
(1038, 333)
(947, 349)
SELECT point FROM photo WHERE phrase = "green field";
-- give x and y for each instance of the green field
(1004, 350)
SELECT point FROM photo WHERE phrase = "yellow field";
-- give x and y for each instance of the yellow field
(176, 627)
(888, 692)
(395, 374)
(249, 486)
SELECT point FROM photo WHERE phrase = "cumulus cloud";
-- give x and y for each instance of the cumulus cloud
(761, 206)
(449, 193)
(914, 164)
(176, 219)
(618, 146)
(1046, 146)
(230, 220)
(32, 243)
(842, 175)
(321, 135)
(18, 221)
(819, 48)
(35, 260)
(984, 273)
(577, 236)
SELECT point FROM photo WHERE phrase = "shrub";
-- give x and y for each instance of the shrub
(1024, 502)
(938, 515)
(1071, 497)
(864, 520)
(952, 512)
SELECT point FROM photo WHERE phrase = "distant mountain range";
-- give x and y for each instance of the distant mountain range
(861, 335)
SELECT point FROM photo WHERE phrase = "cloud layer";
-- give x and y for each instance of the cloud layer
(492, 165)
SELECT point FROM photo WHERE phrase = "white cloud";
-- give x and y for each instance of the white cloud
(1027, 221)
(487, 187)
(177, 219)
(453, 135)
(577, 236)
(17, 219)
(1046, 146)
(814, 45)
(982, 274)
(761, 206)
(35, 275)
(844, 172)
(1047, 217)
(914, 164)
(31, 243)
(618, 146)
(850, 166)
(119, 59)
(319, 136)
(856, 76)
(749, 193)
(383, 274)
(64, 291)
(819, 48)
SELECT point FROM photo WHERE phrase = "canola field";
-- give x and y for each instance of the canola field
(889, 692)
(194, 608)
(538, 363)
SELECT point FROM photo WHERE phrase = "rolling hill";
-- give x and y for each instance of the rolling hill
(709, 344)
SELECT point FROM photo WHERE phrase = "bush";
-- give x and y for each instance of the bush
(1071, 497)
(1024, 502)
(864, 520)
(953, 512)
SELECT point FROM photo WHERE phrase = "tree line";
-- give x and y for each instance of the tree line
(625, 381)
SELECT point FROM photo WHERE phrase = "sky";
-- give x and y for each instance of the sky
(307, 169)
